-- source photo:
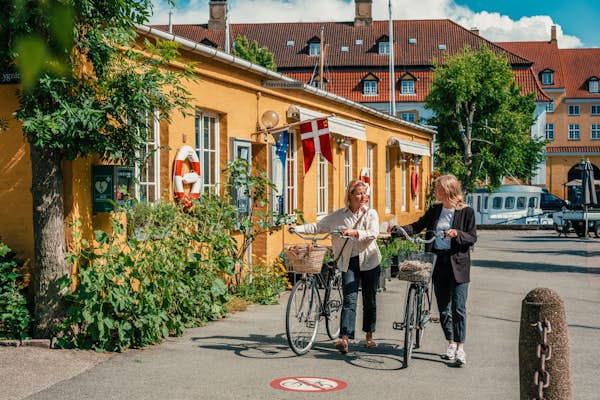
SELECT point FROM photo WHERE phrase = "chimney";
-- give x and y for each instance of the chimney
(363, 16)
(218, 15)
(475, 30)
(553, 34)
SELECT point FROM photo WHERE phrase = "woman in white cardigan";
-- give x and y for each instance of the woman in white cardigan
(358, 258)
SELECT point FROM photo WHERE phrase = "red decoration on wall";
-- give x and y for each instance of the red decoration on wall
(414, 183)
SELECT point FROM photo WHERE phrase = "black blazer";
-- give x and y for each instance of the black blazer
(464, 223)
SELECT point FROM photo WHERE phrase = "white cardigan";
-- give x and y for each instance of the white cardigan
(365, 245)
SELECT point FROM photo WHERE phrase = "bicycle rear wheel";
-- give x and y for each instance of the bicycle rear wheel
(302, 315)
(334, 306)
(409, 323)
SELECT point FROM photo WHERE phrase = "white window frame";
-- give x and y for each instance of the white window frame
(547, 78)
(370, 153)
(595, 109)
(574, 109)
(407, 86)
(279, 179)
(242, 148)
(388, 182)
(347, 165)
(203, 151)
(595, 132)
(593, 86)
(370, 88)
(291, 175)
(550, 106)
(384, 48)
(403, 187)
(574, 132)
(314, 49)
(144, 182)
(549, 131)
(322, 186)
(408, 116)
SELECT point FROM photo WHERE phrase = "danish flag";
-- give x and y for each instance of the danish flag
(315, 139)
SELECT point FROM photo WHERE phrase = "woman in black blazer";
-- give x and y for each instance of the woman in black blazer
(453, 222)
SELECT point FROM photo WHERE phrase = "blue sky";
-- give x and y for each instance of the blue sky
(577, 21)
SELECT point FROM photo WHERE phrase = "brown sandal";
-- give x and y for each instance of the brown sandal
(369, 342)
(342, 346)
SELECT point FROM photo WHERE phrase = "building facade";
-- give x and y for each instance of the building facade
(230, 98)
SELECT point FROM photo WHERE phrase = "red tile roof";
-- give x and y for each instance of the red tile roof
(545, 55)
(573, 149)
(581, 64)
(345, 69)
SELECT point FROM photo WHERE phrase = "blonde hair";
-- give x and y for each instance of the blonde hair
(352, 186)
(451, 187)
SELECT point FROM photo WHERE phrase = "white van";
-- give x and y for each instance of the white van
(509, 204)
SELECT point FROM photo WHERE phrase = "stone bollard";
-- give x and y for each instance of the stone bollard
(544, 354)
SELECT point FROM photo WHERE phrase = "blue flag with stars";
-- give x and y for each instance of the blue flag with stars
(282, 141)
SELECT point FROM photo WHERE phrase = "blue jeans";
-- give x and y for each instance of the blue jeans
(351, 280)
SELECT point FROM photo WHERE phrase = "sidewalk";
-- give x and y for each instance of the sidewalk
(239, 356)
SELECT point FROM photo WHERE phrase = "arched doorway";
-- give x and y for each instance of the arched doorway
(573, 184)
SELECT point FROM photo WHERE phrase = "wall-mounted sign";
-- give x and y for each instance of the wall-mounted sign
(276, 84)
(8, 76)
(111, 184)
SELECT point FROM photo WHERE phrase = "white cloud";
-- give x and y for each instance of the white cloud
(492, 26)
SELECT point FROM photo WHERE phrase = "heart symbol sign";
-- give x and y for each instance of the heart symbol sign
(101, 186)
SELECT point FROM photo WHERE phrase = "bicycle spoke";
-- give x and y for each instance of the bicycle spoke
(334, 307)
(302, 316)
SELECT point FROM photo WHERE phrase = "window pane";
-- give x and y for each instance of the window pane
(509, 203)
(497, 203)
(521, 201)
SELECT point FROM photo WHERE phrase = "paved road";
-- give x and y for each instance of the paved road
(238, 357)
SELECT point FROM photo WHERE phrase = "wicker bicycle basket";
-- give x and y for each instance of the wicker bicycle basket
(416, 267)
(304, 258)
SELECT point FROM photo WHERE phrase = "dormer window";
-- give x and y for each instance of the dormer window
(383, 45)
(209, 43)
(317, 81)
(314, 49)
(547, 77)
(289, 43)
(370, 85)
(593, 85)
(407, 84)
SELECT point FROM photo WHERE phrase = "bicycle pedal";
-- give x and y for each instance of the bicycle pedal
(310, 324)
(398, 326)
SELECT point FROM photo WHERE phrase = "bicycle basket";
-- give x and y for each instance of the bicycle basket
(304, 258)
(416, 267)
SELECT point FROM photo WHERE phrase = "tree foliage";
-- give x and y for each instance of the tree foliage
(86, 90)
(483, 120)
(251, 52)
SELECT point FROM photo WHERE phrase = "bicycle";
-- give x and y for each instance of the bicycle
(417, 310)
(312, 297)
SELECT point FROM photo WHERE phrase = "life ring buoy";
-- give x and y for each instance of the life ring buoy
(193, 177)
(414, 183)
(364, 176)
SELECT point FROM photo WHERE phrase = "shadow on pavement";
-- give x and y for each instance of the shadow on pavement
(527, 266)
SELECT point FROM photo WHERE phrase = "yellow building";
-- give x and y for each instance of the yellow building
(230, 98)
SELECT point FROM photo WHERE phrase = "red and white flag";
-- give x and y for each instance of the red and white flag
(315, 139)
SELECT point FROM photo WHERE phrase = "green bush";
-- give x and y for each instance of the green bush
(264, 285)
(14, 315)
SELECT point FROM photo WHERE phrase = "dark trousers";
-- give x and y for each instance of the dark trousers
(451, 299)
(351, 280)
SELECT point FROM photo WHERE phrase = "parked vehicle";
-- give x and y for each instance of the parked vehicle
(550, 202)
(575, 220)
(509, 204)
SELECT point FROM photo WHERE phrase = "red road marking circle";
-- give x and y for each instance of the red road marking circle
(314, 384)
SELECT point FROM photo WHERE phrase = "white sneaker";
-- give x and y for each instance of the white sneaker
(450, 352)
(461, 358)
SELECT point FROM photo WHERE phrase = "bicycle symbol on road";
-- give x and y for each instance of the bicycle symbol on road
(308, 384)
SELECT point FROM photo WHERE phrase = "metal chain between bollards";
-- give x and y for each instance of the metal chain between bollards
(541, 377)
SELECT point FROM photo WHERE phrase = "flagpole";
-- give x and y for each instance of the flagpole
(391, 54)
(293, 124)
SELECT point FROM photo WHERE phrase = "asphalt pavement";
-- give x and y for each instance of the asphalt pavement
(245, 356)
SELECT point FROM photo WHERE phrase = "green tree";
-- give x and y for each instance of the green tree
(86, 90)
(483, 120)
(251, 52)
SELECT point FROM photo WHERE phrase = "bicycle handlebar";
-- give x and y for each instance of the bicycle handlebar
(413, 239)
(313, 237)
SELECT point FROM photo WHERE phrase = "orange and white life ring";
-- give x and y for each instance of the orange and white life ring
(365, 176)
(193, 177)
(414, 183)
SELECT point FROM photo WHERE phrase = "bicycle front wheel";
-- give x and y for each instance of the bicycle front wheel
(302, 316)
(423, 315)
(409, 323)
(334, 306)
